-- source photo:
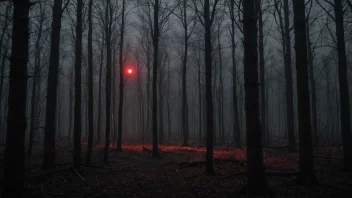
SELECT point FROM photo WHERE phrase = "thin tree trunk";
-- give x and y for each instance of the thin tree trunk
(70, 109)
(78, 65)
(208, 89)
(236, 125)
(34, 83)
(121, 88)
(185, 127)
(51, 103)
(161, 106)
(312, 87)
(108, 31)
(343, 87)
(155, 152)
(4, 57)
(262, 73)
(14, 156)
(256, 178)
(288, 78)
(90, 84)
(306, 163)
(98, 141)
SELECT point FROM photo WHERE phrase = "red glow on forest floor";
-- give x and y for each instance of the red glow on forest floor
(193, 153)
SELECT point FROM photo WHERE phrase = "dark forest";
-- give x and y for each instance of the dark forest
(175, 98)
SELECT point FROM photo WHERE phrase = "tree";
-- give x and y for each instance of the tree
(207, 22)
(121, 86)
(155, 36)
(51, 102)
(256, 178)
(36, 72)
(288, 80)
(236, 125)
(343, 84)
(78, 65)
(14, 156)
(306, 164)
(90, 83)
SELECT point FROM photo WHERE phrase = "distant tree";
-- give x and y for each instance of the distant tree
(78, 65)
(207, 18)
(256, 178)
(306, 164)
(14, 157)
(36, 72)
(51, 103)
(122, 73)
(90, 83)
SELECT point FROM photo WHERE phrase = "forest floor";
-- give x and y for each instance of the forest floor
(180, 173)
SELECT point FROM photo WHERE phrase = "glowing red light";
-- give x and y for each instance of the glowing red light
(129, 71)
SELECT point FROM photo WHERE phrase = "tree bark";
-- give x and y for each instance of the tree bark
(288, 79)
(108, 28)
(343, 87)
(14, 156)
(99, 128)
(155, 152)
(78, 65)
(51, 102)
(185, 127)
(236, 125)
(256, 178)
(121, 87)
(262, 74)
(313, 86)
(306, 164)
(90, 84)
(37, 64)
(208, 89)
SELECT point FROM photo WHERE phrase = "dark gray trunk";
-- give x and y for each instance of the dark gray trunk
(288, 80)
(262, 74)
(37, 64)
(51, 99)
(99, 128)
(108, 31)
(77, 111)
(256, 178)
(184, 116)
(208, 89)
(155, 152)
(306, 163)
(121, 87)
(14, 156)
(313, 88)
(90, 84)
(343, 87)
(236, 125)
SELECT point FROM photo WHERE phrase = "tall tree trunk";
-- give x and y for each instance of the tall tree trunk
(256, 177)
(236, 125)
(37, 64)
(168, 101)
(51, 99)
(161, 106)
(78, 65)
(288, 79)
(121, 87)
(343, 87)
(108, 28)
(221, 93)
(262, 73)
(155, 152)
(90, 84)
(312, 87)
(306, 164)
(98, 140)
(70, 109)
(200, 98)
(14, 156)
(185, 127)
(208, 89)
(4, 57)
